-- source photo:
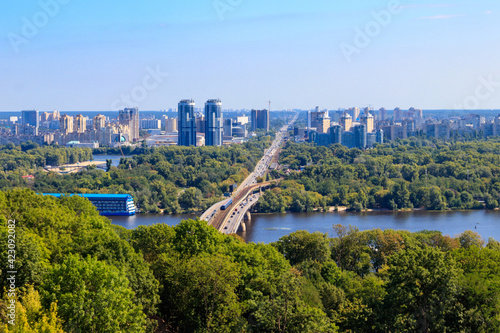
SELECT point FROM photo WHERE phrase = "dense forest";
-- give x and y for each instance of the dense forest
(30, 158)
(404, 174)
(76, 272)
(165, 179)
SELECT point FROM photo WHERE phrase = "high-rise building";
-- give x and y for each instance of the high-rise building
(200, 123)
(99, 122)
(368, 120)
(80, 124)
(30, 117)
(170, 124)
(186, 123)
(130, 117)
(398, 114)
(228, 127)
(360, 136)
(382, 114)
(260, 120)
(336, 134)
(354, 112)
(213, 123)
(66, 124)
(56, 115)
(148, 124)
(346, 122)
(319, 120)
(45, 116)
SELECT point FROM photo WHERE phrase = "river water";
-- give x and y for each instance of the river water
(115, 159)
(269, 228)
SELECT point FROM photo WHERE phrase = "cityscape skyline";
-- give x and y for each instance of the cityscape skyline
(96, 56)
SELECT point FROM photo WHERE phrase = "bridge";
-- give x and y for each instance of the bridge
(232, 218)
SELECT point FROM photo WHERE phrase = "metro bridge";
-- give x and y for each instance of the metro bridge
(231, 219)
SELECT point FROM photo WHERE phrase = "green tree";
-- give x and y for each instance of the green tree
(421, 290)
(301, 245)
(108, 165)
(204, 289)
(190, 198)
(93, 297)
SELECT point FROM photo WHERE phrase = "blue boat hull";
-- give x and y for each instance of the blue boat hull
(117, 213)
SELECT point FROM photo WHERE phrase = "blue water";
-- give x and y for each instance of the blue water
(114, 158)
(269, 228)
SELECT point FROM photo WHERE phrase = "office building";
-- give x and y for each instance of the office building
(31, 118)
(186, 123)
(260, 120)
(228, 127)
(239, 131)
(213, 123)
(200, 123)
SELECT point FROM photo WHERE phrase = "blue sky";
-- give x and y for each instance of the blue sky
(99, 55)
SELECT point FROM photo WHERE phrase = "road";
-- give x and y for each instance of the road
(227, 221)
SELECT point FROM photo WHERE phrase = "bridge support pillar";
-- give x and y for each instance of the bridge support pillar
(248, 217)
(242, 227)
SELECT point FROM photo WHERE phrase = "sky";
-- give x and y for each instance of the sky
(74, 55)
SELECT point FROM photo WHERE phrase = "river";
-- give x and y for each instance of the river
(269, 228)
(115, 159)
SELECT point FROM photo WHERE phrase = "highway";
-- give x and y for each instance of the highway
(228, 221)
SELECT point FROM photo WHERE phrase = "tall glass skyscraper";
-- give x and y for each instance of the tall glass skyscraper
(186, 123)
(213, 122)
(30, 118)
